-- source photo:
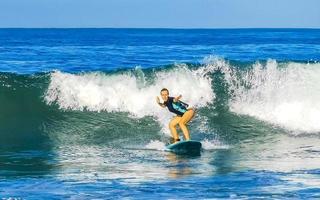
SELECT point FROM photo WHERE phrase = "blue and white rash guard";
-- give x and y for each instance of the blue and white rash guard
(178, 107)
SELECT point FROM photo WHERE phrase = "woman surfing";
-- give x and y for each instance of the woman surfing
(183, 113)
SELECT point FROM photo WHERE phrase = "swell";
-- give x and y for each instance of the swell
(119, 106)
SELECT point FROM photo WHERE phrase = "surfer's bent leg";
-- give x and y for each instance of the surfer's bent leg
(172, 125)
(187, 116)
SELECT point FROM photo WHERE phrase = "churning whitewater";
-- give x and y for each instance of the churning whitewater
(282, 94)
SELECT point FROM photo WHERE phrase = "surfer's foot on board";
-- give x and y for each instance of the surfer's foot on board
(174, 140)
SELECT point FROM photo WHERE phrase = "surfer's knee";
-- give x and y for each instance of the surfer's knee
(191, 112)
(172, 125)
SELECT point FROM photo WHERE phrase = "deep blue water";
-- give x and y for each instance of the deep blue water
(34, 50)
(78, 118)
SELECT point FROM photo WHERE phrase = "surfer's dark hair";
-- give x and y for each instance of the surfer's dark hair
(164, 89)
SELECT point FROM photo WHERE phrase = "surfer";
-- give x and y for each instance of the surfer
(184, 114)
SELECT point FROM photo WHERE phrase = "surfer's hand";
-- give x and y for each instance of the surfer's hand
(160, 104)
(177, 98)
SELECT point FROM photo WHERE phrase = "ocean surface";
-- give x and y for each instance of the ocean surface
(79, 120)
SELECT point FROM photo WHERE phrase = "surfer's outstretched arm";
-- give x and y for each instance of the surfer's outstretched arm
(177, 98)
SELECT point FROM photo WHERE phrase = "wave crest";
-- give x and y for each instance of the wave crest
(282, 94)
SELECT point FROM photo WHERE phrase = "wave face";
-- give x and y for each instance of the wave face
(57, 105)
(283, 94)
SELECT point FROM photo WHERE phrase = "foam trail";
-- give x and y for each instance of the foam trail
(286, 95)
(213, 144)
(126, 92)
(156, 144)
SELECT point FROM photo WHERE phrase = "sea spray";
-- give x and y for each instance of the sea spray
(286, 95)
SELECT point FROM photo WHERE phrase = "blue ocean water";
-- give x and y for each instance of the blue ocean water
(73, 50)
(78, 118)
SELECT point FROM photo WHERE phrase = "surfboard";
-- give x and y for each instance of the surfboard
(185, 147)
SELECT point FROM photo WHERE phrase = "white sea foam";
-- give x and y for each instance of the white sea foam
(126, 92)
(156, 144)
(213, 144)
(287, 95)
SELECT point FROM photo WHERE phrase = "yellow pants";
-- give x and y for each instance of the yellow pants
(182, 121)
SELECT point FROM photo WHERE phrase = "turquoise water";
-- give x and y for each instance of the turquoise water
(78, 118)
